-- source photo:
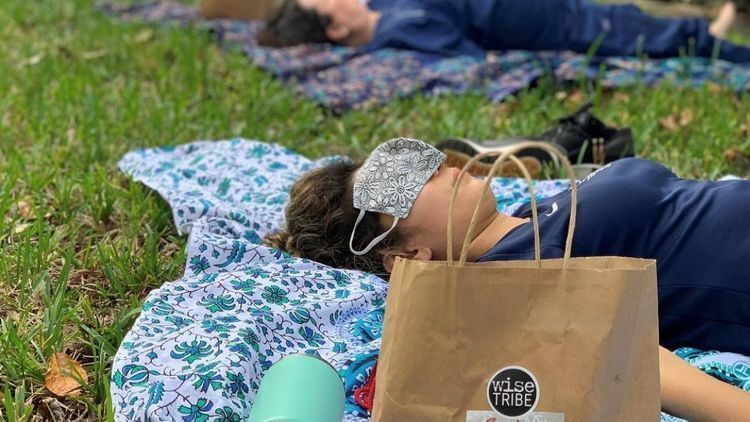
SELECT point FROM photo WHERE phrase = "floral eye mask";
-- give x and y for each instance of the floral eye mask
(391, 179)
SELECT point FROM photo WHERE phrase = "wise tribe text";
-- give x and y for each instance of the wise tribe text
(513, 393)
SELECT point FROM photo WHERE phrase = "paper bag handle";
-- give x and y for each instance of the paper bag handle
(509, 154)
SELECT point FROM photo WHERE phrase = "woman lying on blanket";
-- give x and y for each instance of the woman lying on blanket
(451, 27)
(346, 216)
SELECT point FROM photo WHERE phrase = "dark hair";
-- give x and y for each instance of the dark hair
(290, 24)
(320, 218)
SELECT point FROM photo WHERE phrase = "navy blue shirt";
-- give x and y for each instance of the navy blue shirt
(471, 27)
(698, 232)
(433, 26)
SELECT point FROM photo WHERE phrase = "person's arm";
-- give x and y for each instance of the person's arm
(414, 27)
(688, 393)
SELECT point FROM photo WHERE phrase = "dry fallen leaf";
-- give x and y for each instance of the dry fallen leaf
(686, 117)
(12, 316)
(677, 120)
(25, 210)
(669, 122)
(33, 60)
(715, 88)
(63, 373)
(576, 98)
(71, 134)
(144, 35)
(20, 228)
(91, 55)
(738, 158)
(621, 97)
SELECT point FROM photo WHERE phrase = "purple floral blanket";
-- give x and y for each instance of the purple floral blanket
(342, 78)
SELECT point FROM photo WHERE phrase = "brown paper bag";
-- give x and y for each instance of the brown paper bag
(236, 9)
(572, 339)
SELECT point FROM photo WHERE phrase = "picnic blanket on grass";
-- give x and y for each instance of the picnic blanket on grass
(341, 78)
(202, 343)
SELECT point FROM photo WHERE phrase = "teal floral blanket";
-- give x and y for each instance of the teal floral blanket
(202, 343)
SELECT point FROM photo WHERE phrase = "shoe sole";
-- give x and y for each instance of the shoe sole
(472, 148)
(507, 169)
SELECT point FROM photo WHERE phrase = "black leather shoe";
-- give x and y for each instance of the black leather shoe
(588, 140)
(472, 147)
(581, 136)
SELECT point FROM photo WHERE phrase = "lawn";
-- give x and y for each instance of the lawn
(81, 246)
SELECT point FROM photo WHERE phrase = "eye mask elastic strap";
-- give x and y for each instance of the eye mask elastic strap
(374, 241)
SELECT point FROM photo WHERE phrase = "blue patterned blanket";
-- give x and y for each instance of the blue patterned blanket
(341, 78)
(201, 344)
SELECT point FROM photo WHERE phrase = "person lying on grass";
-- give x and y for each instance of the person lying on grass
(452, 27)
(697, 231)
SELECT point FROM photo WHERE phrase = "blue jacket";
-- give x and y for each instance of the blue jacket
(472, 27)
(432, 26)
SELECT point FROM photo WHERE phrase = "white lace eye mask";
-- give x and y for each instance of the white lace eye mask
(391, 179)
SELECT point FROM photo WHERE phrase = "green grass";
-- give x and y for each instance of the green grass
(81, 246)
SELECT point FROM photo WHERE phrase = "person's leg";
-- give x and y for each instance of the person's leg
(720, 26)
(625, 30)
(576, 25)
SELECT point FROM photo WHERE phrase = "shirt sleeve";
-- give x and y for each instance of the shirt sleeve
(417, 28)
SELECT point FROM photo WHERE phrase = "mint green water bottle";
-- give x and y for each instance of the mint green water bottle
(299, 388)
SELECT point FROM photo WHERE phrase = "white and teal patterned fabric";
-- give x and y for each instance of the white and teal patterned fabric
(201, 344)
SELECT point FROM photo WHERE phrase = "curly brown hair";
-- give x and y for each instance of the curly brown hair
(320, 217)
(290, 24)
